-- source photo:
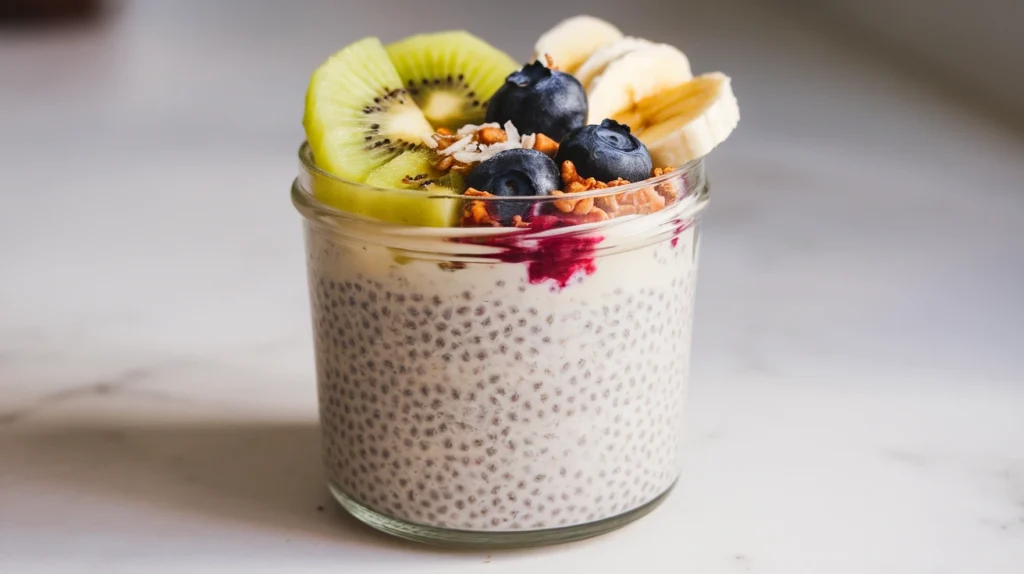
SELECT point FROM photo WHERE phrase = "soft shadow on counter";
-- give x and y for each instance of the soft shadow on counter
(264, 475)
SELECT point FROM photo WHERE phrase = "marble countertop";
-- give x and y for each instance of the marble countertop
(857, 400)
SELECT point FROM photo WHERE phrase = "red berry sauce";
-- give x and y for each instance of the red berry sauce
(557, 258)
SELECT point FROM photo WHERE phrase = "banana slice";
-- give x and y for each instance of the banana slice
(573, 40)
(634, 76)
(605, 55)
(686, 122)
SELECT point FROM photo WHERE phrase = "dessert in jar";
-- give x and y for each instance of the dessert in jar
(502, 262)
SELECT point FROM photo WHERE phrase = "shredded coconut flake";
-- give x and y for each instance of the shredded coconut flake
(472, 129)
(467, 156)
(467, 151)
(430, 142)
(512, 133)
(457, 146)
(499, 147)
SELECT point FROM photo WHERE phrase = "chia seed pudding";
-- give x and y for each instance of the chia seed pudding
(475, 399)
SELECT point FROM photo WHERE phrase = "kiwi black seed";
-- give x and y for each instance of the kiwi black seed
(358, 114)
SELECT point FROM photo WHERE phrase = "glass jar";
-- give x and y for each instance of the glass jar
(497, 386)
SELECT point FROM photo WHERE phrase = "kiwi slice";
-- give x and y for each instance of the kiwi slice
(451, 75)
(415, 170)
(358, 116)
(405, 171)
(412, 170)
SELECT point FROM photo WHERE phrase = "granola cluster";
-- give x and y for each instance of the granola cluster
(475, 213)
(588, 209)
(592, 209)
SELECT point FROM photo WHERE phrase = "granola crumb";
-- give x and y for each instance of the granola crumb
(563, 205)
(668, 190)
(491, 136)
(577, 186)
(607, 203)
(652, 198)
(550, 61)
(463, 168)
(475, 214)
(545, 145)
(568, 172)
(595, 215)
(584, 206)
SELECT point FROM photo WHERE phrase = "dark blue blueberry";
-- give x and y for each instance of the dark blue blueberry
(606, 152)
(537, 99)
(515, 173)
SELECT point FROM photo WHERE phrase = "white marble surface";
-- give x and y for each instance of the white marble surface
(858, 391)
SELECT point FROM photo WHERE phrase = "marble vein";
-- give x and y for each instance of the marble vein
(122, 383)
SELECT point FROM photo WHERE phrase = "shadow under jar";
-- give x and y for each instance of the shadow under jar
(502, 387)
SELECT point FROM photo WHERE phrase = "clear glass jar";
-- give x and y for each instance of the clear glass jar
(493, 386)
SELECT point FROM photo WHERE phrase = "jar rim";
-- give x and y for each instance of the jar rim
(308, 165)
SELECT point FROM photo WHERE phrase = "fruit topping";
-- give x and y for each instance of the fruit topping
(573, 40)
(515, 173)
(538, 99)
(600, 59)
(428, 131)
(411, 170)
(358, 116)
(450, 75)
(606, 152)
(634, 76)
(688, 121)
(406, 171)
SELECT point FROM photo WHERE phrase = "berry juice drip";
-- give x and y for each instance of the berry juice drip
(557, 258)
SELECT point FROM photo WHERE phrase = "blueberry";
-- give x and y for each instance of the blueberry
(606, 152)
(537, 99)
(515, 173)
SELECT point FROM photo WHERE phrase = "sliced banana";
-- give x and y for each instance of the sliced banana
(605, 55)
(634, 76)
(573, 40)
(686, 122)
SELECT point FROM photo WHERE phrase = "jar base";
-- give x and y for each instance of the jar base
(489, 540)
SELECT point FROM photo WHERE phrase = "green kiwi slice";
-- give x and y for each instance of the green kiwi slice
(411, 170)
(358, 114)
(450, 75)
